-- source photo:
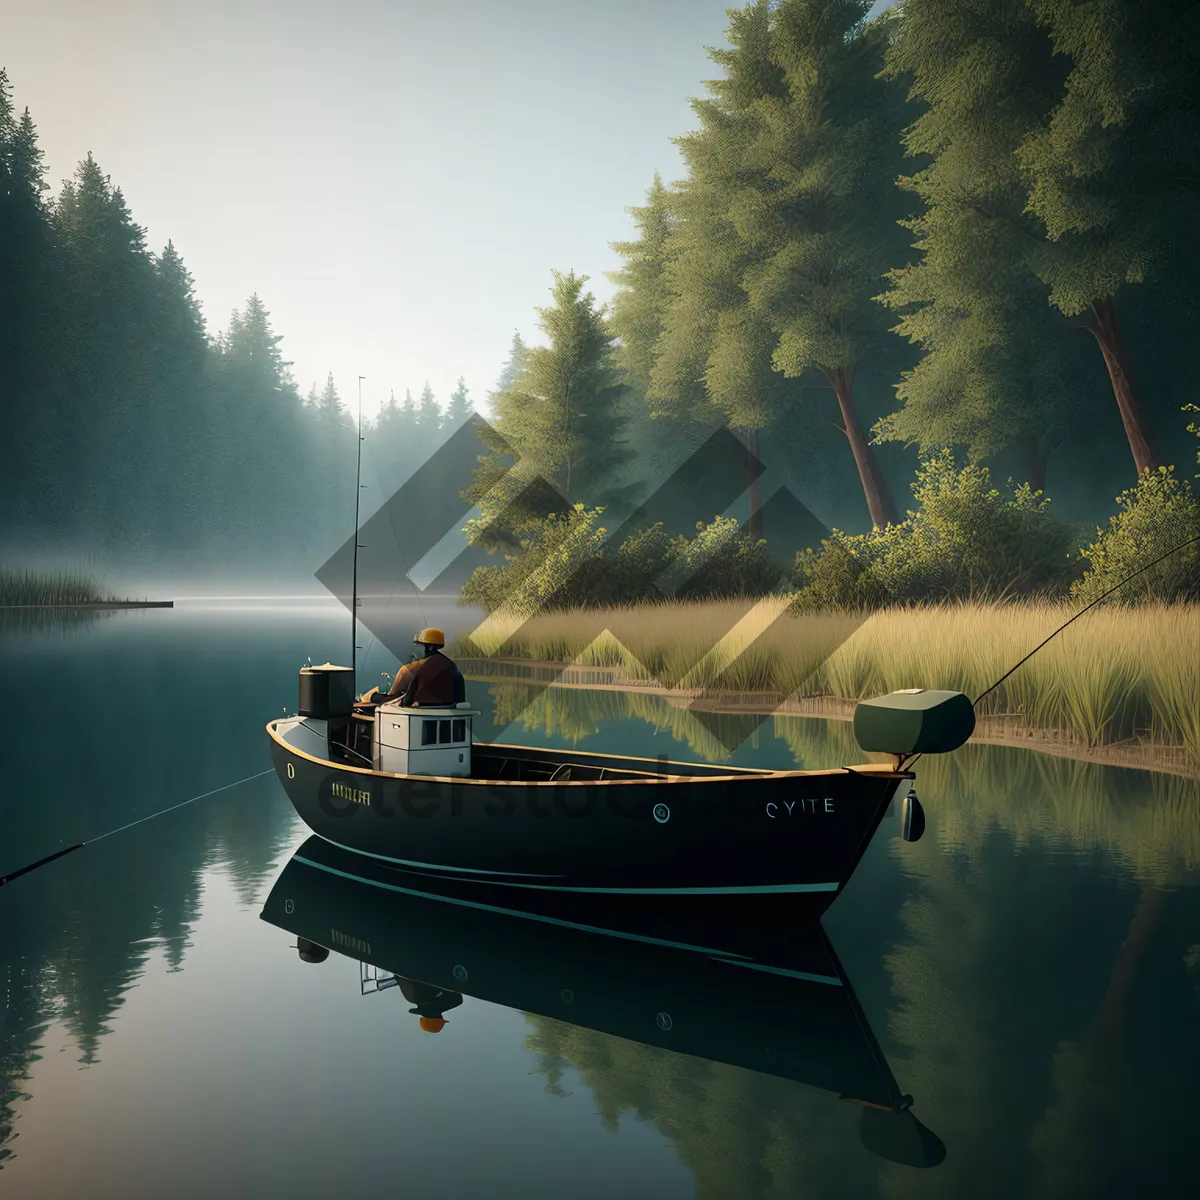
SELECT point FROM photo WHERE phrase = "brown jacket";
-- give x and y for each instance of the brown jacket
(433, 680)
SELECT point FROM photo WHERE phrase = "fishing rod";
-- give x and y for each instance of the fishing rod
(41, 862)
(354, 577)
(904, 763)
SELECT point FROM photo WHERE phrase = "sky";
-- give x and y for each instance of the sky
(396, 179)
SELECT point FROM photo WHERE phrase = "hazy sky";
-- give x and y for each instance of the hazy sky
(395, 178)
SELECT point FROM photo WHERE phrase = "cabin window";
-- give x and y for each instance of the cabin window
(429, 730)
(443, 731)
(460, 731)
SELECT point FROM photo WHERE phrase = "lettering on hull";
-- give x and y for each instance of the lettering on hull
(343, 791)
(792, 808)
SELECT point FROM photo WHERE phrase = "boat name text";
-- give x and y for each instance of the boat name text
(344, 792)
(789, 807)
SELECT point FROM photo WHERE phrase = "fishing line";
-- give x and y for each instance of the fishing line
(41, 862)
(1103, 596)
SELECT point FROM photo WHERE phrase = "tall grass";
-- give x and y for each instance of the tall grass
(1118, 673)
(36, 587)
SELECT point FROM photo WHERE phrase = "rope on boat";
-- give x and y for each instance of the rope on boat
(41, 862)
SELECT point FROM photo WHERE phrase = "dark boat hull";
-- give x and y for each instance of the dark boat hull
(793, 835)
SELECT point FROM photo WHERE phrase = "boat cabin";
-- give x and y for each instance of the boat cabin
(423, 741)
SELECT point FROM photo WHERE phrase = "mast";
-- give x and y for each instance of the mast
(354, 577)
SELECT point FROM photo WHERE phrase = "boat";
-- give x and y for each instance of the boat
(409, 787)
(676, 993)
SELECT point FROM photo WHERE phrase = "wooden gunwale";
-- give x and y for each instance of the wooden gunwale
(877, 770)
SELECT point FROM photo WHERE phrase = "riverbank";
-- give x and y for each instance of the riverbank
(1122, 685)
(42, 589)
(27, 591)
(90, 604)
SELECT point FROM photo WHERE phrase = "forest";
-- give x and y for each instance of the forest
(961, 236)
(910, 258)
(132, 431)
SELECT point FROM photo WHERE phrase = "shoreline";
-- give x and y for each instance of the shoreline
(1000, 729)
(92, 604)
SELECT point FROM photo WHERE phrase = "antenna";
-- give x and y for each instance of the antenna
(354, 577)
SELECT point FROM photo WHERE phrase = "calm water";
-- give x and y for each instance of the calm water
(1030, 969)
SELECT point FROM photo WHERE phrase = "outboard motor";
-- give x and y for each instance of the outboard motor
(911, 722)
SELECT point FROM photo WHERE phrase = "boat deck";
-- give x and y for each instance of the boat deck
(533, 764)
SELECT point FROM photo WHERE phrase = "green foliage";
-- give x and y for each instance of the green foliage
(783, 227)
(720, 561)
(996, 367)
(1111, 174)
(564, 561)
(713, 359)
(639, 306)
(837, 577)
(1194, 426)
(555, 564)
(126, 426)
(514, 365)
(1156, 515)
(965, 539)
(557, 436)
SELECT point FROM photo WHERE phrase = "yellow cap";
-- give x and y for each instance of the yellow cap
(432, 1024)
(430, 637)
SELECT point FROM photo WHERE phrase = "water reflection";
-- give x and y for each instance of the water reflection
(653, 1024)
(1030, 971)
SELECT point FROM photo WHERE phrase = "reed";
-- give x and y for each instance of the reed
(36, 587)
(1119, 673)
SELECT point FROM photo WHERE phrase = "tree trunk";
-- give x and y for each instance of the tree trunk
(879, 499)
(1104, 328)
(1037, 464)
(754, 470)
(1111, 1019)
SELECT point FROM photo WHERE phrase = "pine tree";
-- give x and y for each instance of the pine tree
(563, 418)
(105, 386)
(460, 406)
(997, 367)
(429, 421)
(712, 362)
(184, 446)
(638, 320)
(1113, 174)
(510, 373)
(819, 211)
(639, 306)
(28, 358)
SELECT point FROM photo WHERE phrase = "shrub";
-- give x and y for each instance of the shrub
(555, 565)
(563, 562)
(721, 562)
(964, 539)
(838, 576)
(1157, 514)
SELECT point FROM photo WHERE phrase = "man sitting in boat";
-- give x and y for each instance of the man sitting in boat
(430, 681)
(430, 1003)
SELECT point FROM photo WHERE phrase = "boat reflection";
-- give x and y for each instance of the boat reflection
(689, 993)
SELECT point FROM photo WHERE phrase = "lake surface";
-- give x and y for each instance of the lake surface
(1029, 971)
